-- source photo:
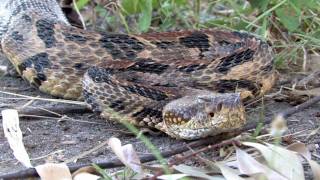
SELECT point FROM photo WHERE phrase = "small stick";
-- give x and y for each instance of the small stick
(43, 99)
(55, 111)
(305, 57)
(300, 107)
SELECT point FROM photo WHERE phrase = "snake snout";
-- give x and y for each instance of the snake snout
(203, 115)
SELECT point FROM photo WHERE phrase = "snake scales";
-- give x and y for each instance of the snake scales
(189, 84)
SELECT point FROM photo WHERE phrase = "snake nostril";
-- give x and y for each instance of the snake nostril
(211, 114)
(219, 107)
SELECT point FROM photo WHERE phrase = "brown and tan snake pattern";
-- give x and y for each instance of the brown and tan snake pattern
(189, 84)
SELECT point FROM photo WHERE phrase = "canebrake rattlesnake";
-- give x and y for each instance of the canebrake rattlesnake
(189, 84)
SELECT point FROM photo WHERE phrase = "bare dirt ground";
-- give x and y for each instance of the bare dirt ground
(53, 140)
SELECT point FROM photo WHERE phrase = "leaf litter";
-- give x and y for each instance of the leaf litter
(278, 162)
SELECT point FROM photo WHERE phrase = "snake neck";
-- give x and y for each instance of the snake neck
(11, 12)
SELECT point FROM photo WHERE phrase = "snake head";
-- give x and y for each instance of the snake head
(204, 114)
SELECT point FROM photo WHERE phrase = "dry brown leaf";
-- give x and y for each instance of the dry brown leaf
(126, 154)
(52, 171)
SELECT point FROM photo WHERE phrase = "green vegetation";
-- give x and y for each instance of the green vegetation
(292, 26)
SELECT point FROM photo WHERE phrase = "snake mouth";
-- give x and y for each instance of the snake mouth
(204, 115)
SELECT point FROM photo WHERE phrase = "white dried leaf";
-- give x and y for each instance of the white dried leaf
(250, 166)
(303, 151)
(284, 161)
(172, 176)
(50, 171)
(193, 171)
(86, 176)
(84, 173)
(315, 167)
(228, 173)
(127, 155)
(13, 134)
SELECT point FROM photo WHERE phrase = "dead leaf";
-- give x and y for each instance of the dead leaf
(300, 148)
(85, 170)
(193, 171)
(249, 166)
(172, 176)
(284, 161)
(126, 154)
(86, 176)
(13, 134)
(315, 167)
(52, 171)
(228, 173)
(303, 151)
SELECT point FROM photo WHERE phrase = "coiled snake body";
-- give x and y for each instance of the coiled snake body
(188, 84)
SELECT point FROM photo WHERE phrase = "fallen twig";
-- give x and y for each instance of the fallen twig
(52, 111)
(214, 141)
(300, 107)
(43, 99)
(83, 154)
